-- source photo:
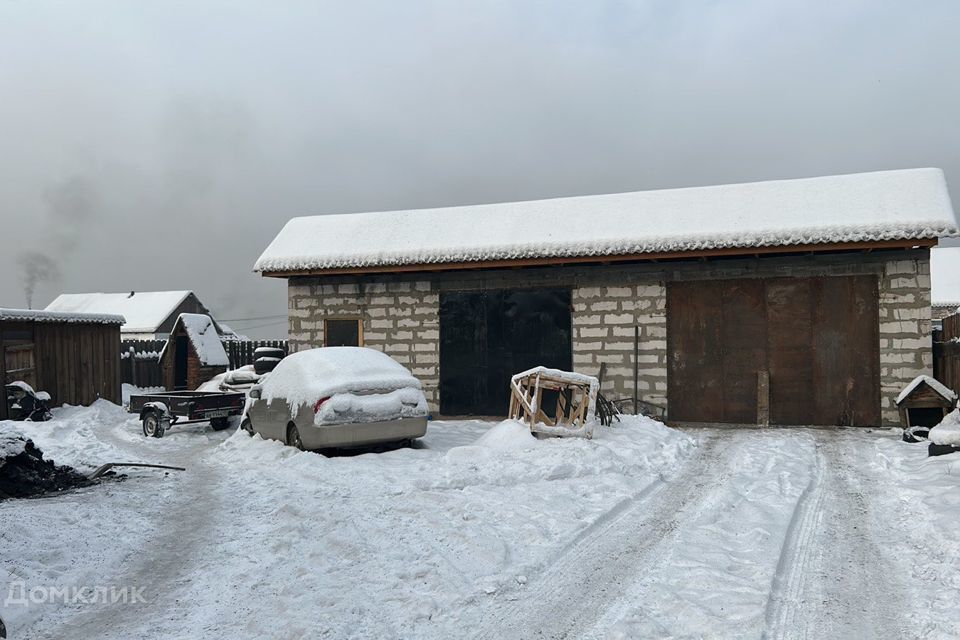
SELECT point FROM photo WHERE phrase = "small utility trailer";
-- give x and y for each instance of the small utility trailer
(159, 411)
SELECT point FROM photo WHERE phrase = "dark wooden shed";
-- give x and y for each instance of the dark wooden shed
(75, 357)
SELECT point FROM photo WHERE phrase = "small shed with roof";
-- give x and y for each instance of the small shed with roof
(924, 402)
(193, 354)
(75, 357)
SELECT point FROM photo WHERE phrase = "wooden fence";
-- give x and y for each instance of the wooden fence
(240, 352)
(946, 352)
(140, 359)
(140, 362)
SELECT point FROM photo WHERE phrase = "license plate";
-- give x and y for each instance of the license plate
(223, 413)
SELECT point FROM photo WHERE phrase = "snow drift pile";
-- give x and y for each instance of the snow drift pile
(947, 433)
(24, 472)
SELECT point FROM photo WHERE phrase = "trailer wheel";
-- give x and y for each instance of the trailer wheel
(247, 426)
(219, 424)
(153, 426)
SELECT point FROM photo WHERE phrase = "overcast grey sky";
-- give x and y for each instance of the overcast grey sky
(161, 145)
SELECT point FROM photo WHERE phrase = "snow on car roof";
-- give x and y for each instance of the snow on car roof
(934, 384)
(885, 205)
(144, 311)
(34, 315)
(307, 376)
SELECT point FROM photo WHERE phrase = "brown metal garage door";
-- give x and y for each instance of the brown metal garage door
(817, 338)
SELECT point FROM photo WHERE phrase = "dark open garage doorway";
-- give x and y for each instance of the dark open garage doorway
(487, 336)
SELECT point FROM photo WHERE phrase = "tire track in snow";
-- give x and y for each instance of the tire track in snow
(185, 528)
(838, 582)
(580, 583)
(795, 557)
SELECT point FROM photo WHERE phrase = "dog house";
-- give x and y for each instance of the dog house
(924, 402)
(193, 354)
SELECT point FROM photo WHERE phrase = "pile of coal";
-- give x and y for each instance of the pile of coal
(24, 472)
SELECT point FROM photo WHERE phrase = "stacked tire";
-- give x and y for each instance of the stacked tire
(266, 358)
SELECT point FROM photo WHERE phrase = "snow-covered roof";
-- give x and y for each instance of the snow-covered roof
(867, 207)
(936, 385)
(144, 311)
(203, 335)
(34, 315)
(945, 276)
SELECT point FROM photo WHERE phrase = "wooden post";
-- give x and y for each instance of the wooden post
(763, 398)
(636, 369)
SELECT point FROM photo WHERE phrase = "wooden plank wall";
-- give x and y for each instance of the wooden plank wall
(946, 352)
(78, 363)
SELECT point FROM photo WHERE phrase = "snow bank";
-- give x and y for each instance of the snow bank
(427, 535)
(948, 431)
(507, 435)
(305, 377)
(886, 205)
(921, 500)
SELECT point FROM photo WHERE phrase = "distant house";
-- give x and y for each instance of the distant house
(193, 354)
(74, 357)
(791, 302)
(150, 314)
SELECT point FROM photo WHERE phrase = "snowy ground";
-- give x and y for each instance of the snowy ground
(486, 532)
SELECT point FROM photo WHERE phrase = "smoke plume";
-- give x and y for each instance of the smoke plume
(71, 206)
(37, 268)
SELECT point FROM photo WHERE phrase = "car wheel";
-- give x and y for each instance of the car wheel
(247, 426)
(293, 437)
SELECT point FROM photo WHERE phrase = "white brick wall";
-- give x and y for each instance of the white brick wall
(603, 333)
(401, 319)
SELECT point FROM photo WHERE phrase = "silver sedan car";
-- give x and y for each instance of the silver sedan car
(336, 397)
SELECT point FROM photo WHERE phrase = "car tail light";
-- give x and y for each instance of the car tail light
(319, 403)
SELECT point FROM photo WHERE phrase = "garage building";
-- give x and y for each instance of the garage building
(792, 302)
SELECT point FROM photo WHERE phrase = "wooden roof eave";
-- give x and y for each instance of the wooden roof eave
(607, 259)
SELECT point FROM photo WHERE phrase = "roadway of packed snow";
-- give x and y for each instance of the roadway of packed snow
(485, 531)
